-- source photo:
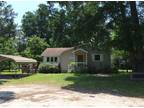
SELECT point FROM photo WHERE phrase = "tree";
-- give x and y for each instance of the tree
(35, 46)
(9, 46)
(29, 26)
(7, 25)
(126, 24)
(7, 28)
(138, 42)
(69, 24)
(40, 22)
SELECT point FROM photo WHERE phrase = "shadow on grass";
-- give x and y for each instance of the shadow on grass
(6, 96)
(119, 85)
(13, 76)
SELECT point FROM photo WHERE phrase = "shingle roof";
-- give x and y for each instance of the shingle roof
(55, 51)
(17, 59)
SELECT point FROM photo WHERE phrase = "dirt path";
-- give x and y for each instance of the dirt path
(43, 96)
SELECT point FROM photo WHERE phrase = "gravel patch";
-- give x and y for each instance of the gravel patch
(32, 96)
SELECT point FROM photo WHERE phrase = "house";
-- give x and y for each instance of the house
(91, 59)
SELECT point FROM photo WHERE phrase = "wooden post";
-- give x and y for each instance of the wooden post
(19, 67)
(9, 65)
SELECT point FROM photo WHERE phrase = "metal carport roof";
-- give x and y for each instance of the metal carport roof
(17, 59)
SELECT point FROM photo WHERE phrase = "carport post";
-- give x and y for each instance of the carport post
(19, 66)
(9, 65)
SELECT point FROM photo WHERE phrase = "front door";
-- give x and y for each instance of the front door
(80, 58)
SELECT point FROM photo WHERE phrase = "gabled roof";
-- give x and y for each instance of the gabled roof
(80, 49)
(55, 51)
(17, 59)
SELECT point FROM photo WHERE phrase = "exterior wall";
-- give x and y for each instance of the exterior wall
(68, 57)
(65, 59)
(44, 59)
(97, 65)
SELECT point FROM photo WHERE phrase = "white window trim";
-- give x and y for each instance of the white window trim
(53, 59)
(93, 57)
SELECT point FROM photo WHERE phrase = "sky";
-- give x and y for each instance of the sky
(20, 7)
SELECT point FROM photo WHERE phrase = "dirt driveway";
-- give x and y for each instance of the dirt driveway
(43, 96)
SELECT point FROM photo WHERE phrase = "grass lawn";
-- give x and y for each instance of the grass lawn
(11, 72)
(113, 84)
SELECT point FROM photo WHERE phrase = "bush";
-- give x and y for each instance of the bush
(47, 68)
(81, 70)
(114, 70)
(6, 65)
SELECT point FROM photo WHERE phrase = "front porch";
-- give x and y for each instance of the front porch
(80, 60)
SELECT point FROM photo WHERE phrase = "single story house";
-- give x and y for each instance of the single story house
(91, 59)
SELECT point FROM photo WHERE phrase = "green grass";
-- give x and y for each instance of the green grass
(115, 83)
(56, 79)
(11, 72)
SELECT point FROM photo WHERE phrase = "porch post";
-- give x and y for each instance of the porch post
(75, 58)
(86, 59)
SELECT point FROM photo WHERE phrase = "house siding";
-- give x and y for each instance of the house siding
(97, 65)
(65, 59)
(44, 59)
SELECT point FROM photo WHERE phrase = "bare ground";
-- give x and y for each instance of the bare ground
(43, 96)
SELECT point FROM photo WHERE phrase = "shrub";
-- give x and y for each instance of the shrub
(114, 70)
(47, 68)
(6, 65)
(82, 70)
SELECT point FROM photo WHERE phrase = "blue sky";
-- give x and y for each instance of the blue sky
(20, 7)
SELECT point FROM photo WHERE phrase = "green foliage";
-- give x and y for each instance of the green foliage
(29, 21)
(119, 53)
(7, 25)
(8, 29)
(8, 46)
(35, 46)
(47, 68)
(68, 24)
(7, 65)
(39, 22)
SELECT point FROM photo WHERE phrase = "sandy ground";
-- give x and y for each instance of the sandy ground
(31, 96)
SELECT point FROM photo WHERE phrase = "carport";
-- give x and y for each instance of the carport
(27, 65)
(17, 59)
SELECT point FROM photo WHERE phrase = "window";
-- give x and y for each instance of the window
(55, 59)
(97, 57)
(48, 59)
(51, 59)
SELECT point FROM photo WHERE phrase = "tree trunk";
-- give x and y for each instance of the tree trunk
(137, 54)
(134, 13)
